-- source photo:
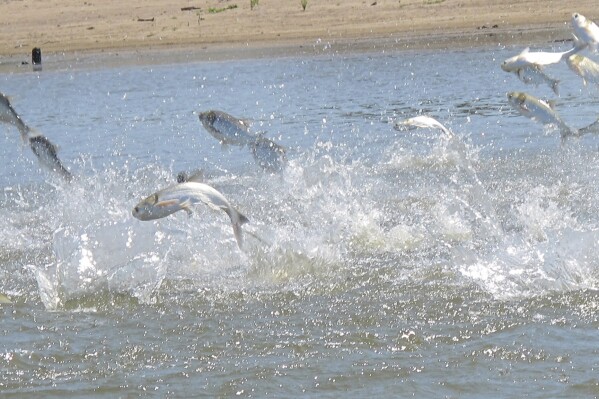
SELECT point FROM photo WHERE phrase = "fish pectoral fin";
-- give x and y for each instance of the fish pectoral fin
(163, 204)
(186, 206)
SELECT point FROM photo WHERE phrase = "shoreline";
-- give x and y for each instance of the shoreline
(98, 33)
(546, 35)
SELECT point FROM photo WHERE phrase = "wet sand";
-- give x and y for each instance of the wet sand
(107, 32)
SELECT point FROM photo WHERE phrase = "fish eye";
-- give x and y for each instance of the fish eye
(136, 209)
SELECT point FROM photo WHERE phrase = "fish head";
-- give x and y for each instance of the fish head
(578, 20)
(510, 64)
(516, 99)
(207, 118)
(4, 100)
(147, 210)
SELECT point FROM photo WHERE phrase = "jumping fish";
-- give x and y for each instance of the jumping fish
(46, 154)
(181, 197)
(227, 129)
(529, 58)
(9, 115)
(423, 121)
(535, 75)
(528, 66)
(539, 111)
(585, 30)
(268, 154)
(585, 68)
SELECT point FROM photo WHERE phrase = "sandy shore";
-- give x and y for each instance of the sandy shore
(76, 33)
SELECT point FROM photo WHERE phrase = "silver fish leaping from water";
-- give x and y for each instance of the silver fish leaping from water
(423, 121)
(181, 197)
(586, 30)
(587, 69)
(528, 66)
(268, 154)
(47, 155)
(10, 116)
(42, 148)
(529, 58)
(227, 129)
(540, 111)
(535, 75)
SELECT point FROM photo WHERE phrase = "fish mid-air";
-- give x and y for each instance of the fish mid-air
(10, 116)
(585, 68)
(539, 58)
(47, 155)
(227, 129)
(181, 197)
(422, 121)
(42, 148)
(585, 30)
(268, 154)
(539, 111)
(528, 66)
(535, 75)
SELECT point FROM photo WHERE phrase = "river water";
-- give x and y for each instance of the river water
(378, 262)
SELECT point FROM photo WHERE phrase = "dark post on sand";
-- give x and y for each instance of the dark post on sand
(36, 58)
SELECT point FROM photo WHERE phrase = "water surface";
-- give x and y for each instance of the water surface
(390, 263)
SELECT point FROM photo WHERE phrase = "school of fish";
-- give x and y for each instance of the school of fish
(228, 130)
(529, 67)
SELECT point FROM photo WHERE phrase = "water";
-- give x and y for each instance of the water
(392, 263)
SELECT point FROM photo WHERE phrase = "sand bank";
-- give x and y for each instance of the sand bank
(77, 33)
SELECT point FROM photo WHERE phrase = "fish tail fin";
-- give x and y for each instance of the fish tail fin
(567, 131)
(592, 128)
(237, 220)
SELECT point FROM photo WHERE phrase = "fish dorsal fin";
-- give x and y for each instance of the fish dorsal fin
(197, 177)
(525, 51)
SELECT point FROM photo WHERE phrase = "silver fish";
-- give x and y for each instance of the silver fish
(9, 115)
(585, 30)
(181, 197)
(268, 154)
(539, 111)
(227, 129)
(422, 121)
(585, 68)
(529, 58)
(535, 75)
(46, 153)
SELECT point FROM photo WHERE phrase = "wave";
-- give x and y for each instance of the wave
(326, 212)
